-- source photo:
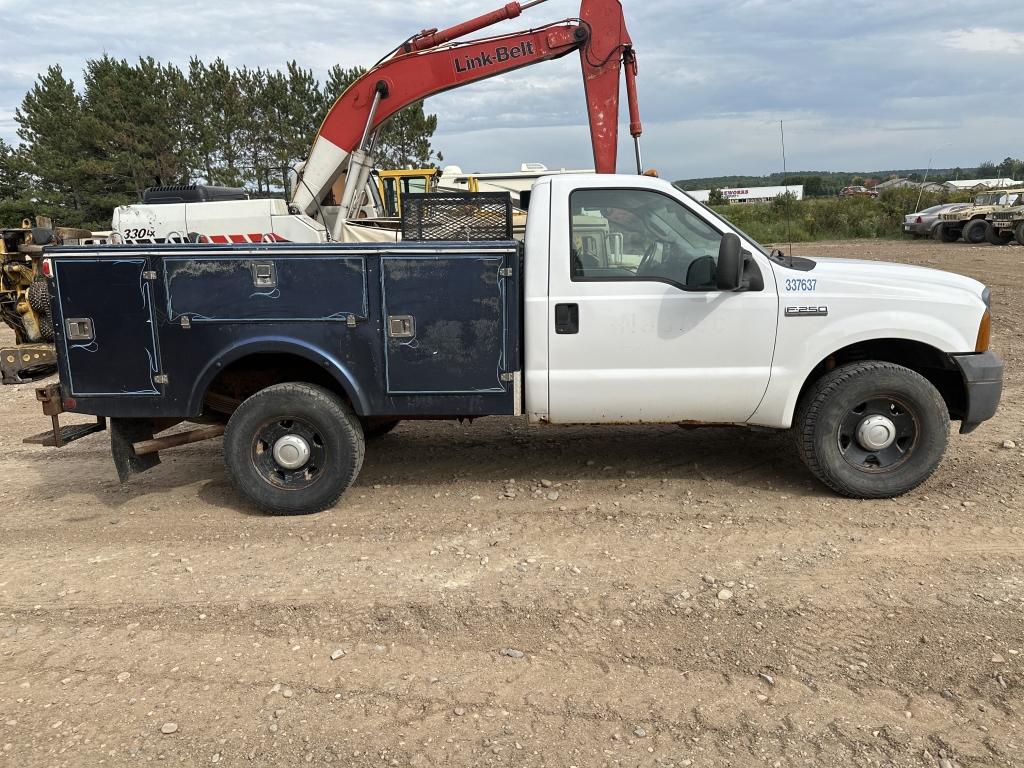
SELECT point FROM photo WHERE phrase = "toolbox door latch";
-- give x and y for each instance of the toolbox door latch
(264, 275)
(79, 329)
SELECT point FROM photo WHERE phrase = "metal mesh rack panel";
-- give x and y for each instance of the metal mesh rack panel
(460, 216)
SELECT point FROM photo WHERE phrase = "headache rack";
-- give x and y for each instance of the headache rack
(461, 216)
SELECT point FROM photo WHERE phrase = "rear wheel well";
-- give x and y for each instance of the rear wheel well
(248, 375)
(935, 365)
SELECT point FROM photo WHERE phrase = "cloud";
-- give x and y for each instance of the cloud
(986, 40)
(870, 85)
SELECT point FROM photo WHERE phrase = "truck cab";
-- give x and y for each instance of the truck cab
(630, 302)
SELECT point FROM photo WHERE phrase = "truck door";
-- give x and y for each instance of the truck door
(107, 333)
(637, 329)
(450, 322)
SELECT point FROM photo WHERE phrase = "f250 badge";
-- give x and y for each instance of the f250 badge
(499, 55)
(806, 311)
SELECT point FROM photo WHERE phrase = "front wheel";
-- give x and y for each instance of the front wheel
(997, 236)
(945, 233)
(872, 430)
(1018, 233)
(293, 448)
(974, 231)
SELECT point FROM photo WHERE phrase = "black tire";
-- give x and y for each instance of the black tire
(944, 233)
(974, 231)
(39, 295)
(374, 428)
(1018, 233)
(997, 236)
(46, 328)
(849, 395)
(325, 424)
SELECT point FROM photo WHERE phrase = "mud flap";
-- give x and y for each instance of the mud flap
(124, 433)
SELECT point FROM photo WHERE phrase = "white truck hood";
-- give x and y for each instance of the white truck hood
(859, 300)
(880, 279)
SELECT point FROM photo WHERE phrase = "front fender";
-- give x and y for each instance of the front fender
(262, 345)
(805, 341)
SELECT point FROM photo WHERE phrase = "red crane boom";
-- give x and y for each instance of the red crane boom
(430, 63)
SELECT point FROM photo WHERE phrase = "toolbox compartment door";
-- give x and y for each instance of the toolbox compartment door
(107, 333)
(449, 323)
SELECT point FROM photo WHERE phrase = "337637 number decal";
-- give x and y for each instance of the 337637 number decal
(801, 284)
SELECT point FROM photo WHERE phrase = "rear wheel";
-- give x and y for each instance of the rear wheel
(1018, 233)
(293, 448)
(39, 295)
(997, 236)
(944, 233)
(872, 429)
(974, 231)
(39, 301)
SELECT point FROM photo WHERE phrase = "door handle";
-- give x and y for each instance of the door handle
(567, 318)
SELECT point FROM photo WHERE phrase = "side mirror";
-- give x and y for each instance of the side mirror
(730, 263)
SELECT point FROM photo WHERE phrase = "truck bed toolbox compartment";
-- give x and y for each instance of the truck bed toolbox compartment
(406, 329)
(446, 322)
(106, 328)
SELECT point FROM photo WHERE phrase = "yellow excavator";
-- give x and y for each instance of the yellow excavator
(25, 298)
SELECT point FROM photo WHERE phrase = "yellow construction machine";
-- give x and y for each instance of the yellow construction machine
(25, 299)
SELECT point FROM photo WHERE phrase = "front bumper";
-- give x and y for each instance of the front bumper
(983, 381)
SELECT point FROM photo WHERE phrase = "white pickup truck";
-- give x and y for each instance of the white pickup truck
(630, 303)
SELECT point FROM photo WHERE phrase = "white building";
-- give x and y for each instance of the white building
(750, 194)
(969, 185)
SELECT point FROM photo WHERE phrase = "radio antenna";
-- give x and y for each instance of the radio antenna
(785, 186)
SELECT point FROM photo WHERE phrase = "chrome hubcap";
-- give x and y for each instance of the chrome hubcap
(876, 433)
(291, 452)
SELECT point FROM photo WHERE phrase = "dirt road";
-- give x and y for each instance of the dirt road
(635, 596)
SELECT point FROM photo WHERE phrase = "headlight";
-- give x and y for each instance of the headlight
(985, 326)
(984, 333)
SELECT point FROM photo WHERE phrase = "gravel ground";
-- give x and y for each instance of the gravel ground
(636, 596)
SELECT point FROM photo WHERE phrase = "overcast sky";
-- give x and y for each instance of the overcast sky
(860, 84)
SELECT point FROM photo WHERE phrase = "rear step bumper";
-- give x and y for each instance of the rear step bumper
(58, 436)
(133, 445)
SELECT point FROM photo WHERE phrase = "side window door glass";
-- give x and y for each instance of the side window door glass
(636, 234)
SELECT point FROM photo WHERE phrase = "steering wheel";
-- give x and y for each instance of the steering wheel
(648, 256)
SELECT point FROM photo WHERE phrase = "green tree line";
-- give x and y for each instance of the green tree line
(84, 150)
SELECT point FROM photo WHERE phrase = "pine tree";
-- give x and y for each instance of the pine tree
(52, 154)
(201, 142)
(146, 124)
(133, 127)
(226, 116)
(14, 204)
(302, 117)
(253, 136)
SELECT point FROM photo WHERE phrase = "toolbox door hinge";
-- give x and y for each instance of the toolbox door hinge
(149, 274)
(510, 376)
(161, 378)
(505, 272)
